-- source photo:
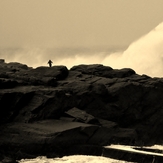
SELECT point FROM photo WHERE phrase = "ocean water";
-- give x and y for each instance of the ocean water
(73, 159)
(94, 159)
(144, 55)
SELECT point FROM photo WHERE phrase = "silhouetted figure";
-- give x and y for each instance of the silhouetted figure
(50, 63)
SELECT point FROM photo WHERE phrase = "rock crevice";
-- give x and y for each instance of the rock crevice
(52, 110)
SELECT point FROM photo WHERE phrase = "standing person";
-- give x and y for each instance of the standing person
(50, 63)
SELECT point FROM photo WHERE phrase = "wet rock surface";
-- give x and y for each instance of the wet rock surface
(56, 112)
(130, 156)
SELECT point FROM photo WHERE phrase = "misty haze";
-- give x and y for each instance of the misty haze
(83, 32)
(103, 90)
(144, 55)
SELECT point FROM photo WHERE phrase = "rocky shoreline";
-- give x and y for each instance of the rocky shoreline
(53, 111)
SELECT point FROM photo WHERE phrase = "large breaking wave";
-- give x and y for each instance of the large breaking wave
(145, 55)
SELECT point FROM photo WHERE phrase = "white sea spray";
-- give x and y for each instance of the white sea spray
(72, 159)
(145, 55)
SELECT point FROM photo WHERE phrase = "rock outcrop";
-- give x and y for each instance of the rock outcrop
(54, 111)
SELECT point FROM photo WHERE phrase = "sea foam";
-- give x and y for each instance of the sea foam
(72, 159)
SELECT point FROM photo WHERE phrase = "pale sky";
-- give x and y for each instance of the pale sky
(76, 23)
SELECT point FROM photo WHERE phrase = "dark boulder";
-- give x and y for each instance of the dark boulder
(7, 83)
(58, 72)
(37, 115)
(82, 116)
(54, 138)
(17, 66)
(2, 61)
(103, 71)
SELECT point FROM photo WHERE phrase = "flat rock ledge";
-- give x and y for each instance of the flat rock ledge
(53, 111)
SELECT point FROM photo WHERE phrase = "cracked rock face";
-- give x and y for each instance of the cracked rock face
(55, 111)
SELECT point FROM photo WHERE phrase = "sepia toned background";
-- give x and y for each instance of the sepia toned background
(116, 33)
(72, 23)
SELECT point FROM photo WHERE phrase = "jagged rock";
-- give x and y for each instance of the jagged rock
(33, 102)
(46, 75)
(103, 71)
(53, 137)
(7, 83)
(59, 72)
(29, 76)
(81, 116)
(2, 61)
(95, 69)
(17, 66)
